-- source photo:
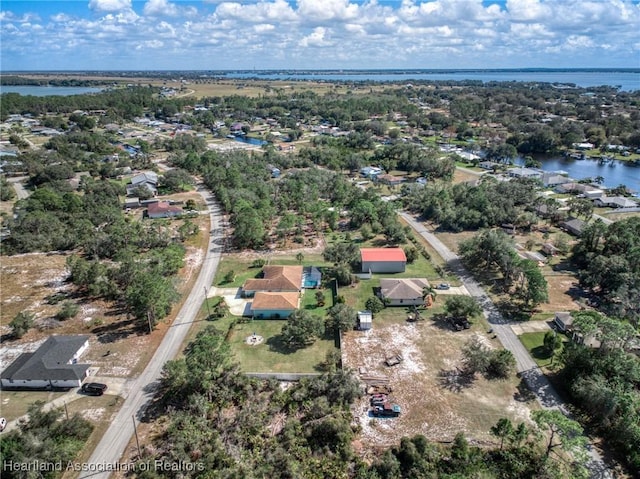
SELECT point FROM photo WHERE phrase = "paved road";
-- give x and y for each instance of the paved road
(18, 185)
(528, 369)
(110, 449)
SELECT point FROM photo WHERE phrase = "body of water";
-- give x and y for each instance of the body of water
(614, 174)
(251, 141)
(626, 80)
(47, 90)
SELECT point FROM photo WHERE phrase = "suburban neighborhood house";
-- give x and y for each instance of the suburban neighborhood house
(267, 305)
(52, 365)
(162, 209)
(402, 292)
(383, 260)
(146, 179)
(275, 279)
(564, 321)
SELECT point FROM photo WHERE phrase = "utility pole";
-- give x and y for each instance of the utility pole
(149, 321)
(66, 411)
(206, 301)
(135, 430)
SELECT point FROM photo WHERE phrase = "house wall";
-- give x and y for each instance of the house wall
(404, 302)
(383, 266)
(272, 313)
(40, 383)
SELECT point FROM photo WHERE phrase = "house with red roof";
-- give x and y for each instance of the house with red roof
(383, 260)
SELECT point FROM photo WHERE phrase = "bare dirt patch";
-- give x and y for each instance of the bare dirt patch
(429, 405)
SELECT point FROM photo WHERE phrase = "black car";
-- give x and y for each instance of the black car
(94, 389)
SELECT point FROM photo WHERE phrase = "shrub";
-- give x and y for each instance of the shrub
(68, 310)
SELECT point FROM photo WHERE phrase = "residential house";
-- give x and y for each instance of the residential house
(583, 146)
(275, 278)
(616, 202)
(553, 179)
(564, 321)
(403, 291)
(383, 260)
(365, 320)
(131, 203)
(524, 173)
(573, 226)
(267, 305)
(147, 179)
(588, 191)
(162, 209)
(390, 180)
(53, 365)
(370, 171)
(488, 165)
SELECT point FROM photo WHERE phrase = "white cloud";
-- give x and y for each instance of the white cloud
(316, 38)
(323, 10)
(160, 8)
(109, 5)
(326, 34)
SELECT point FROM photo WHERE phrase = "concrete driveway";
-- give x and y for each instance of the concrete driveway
(458, 290)
(238, 306)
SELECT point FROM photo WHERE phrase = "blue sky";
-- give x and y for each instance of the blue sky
(317, 34)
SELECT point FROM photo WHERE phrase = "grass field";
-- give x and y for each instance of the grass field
(534, 342)
(273, 355)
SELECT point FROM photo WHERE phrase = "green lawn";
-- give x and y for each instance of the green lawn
(534, 342)
(272, 355)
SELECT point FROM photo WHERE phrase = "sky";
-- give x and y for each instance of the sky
(317, 34)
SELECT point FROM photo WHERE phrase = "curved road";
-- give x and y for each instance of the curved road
(528, 369)
(109, 450)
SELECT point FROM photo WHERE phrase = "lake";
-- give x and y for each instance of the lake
(48, 90)
(626, 80)
(614, 174)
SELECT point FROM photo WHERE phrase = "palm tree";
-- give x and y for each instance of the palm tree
(429, 292)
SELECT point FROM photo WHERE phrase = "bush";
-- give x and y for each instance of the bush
(22, 323)
(258, 263)
(68, 310)
(374, 304)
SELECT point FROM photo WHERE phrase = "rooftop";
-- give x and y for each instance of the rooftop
(382, 254)
(265, 300)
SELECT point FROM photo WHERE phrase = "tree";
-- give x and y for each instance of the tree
(552, 343)
(21, 323)
(461, 307)
(320, 299)
(299, 257)
(341, 317)
(563, 432)
(374, 304)
(502, 430)
(502, 364)
(533, 287)
(475, 356)
(302, 329)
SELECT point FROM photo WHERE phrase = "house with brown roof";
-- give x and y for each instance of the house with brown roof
(267, 305)
(162, 209)
(383, 260)
(403, 291)
(275, 278)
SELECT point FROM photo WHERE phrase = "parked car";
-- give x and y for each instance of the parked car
(444, 286)
(386, 410)
(3, 423)
(94, 389)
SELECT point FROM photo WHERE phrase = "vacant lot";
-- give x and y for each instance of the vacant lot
(37, 283)
(436, 401)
